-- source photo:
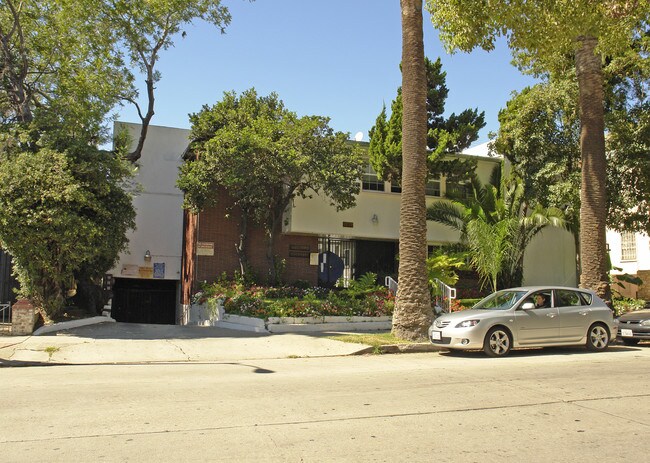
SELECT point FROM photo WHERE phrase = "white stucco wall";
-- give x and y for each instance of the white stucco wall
(158, 204)
(316, 216)
(550, 259)
(642, 261)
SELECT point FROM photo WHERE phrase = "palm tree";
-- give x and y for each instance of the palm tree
(496, 224)
(593, 195)
(413, 312)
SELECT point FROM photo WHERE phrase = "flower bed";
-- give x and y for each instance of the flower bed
(359, 300)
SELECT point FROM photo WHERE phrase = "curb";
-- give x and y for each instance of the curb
(400, 349)
(71, 324)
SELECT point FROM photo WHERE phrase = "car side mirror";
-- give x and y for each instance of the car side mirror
(527, 306)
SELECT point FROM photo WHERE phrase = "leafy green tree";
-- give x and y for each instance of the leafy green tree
(413, 313)
(58, 65)
(496, 223)
(444, 136)
(550, 37)
(73, 61)
(69, 214)
(264, 155)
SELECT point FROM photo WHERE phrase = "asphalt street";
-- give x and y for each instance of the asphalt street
(556, 405)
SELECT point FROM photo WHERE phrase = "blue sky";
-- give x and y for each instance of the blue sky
(335, 58)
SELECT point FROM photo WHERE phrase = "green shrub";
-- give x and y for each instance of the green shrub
(623, 305)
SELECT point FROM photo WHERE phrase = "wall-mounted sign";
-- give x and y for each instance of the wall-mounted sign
(130, 270)
(146, 272)
(159, 270)
(205, 248)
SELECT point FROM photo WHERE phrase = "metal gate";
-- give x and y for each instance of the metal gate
(144, 301)
(344, 249)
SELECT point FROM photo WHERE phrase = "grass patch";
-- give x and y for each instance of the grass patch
(50, 350)
(371, 339)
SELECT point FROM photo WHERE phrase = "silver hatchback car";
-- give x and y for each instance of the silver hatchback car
(528, 317)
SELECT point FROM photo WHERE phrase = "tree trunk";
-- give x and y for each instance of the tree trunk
(593, 194)
(413, 313)
(240, 247)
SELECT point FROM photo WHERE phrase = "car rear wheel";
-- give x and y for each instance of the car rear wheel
(498, 342)
(630, 341)
(597, 337)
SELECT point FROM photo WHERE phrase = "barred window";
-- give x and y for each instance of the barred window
(433, 187)
(628, 246)
(370, 181)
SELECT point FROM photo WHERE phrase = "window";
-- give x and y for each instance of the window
(628, 246)
(457, 189)
(395, 187)
(566, 298)
(433, 187)
(370, 181)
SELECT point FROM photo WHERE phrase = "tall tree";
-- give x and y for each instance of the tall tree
(264, 155)
(64, 66)
(413, 312)
(444, 135)
(145, 29)
(549, 37)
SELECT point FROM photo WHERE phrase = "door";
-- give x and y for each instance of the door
(540, 325)
(574, 315)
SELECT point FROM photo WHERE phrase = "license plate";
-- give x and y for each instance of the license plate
(435, 335)
(626, 333)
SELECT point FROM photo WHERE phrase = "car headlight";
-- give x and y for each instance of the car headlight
(645, 323)
(467, 323)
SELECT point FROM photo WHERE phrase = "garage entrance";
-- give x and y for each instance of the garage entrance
(144, 301)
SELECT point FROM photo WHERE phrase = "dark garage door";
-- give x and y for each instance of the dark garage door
(144, 301)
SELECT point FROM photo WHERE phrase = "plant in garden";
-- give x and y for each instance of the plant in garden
(496, 223)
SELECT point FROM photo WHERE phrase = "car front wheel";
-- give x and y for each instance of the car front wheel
(597, 337)
(497, 342)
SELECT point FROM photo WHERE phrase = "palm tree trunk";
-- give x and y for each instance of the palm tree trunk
(413, 313)
(593, 194)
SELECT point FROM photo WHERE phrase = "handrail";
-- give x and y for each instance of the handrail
(391, 284)
(444, 295)
(5, 313)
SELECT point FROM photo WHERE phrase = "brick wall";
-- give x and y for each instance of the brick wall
(23, 318)
(644, 290)
(220, 225)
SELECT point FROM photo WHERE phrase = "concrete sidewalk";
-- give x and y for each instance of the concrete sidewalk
(111, 343)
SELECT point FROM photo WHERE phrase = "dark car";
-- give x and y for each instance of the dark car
(635, 326)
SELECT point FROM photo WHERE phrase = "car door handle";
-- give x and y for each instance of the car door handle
(583, 312)
(552, 315)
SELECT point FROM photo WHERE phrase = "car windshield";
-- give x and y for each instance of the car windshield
(501, 300)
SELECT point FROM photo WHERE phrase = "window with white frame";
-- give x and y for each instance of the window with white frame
(370, 181)
(628, 246)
